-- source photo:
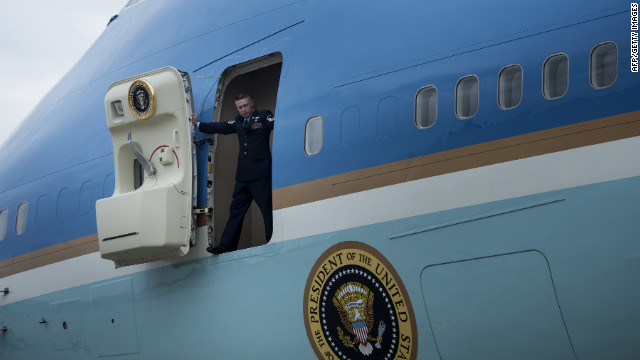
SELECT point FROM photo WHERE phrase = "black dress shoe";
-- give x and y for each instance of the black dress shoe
(218, 250)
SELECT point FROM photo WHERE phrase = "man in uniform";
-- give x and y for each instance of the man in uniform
(253, 175)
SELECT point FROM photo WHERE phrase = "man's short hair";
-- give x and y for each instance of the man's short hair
(241, 96)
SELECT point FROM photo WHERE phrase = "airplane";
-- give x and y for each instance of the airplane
(451, 180)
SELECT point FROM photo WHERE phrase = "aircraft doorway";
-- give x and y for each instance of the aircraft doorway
(260, 78)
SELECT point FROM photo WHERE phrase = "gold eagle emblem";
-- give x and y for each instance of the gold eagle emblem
(354, 302)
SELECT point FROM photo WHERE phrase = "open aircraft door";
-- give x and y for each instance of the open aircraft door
(149, 216)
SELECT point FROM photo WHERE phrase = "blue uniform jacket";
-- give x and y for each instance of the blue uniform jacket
(254, 156)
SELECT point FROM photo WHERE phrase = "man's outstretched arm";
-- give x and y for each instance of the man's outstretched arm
(215, 127)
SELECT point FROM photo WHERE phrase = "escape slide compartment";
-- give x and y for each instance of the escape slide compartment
(149, 216)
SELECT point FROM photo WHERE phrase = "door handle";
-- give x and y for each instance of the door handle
(148, 168)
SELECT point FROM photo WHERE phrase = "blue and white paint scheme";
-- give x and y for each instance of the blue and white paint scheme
(487, 151)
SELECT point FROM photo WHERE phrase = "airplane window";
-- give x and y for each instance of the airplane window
(555, 76)
(349, 124)
(313, 135)
(387, 119)
(510, 87)
(603, 65)
(87, 202)
(467, 97)
(426, 110)
(66, 204)
(43, 211)
(21, 218)
(4, 219)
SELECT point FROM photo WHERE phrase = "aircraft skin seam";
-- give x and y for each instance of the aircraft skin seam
(469, 51)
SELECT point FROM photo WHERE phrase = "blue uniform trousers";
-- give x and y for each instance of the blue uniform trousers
(245, 192)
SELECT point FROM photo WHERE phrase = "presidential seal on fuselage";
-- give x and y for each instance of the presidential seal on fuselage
(356, 307)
